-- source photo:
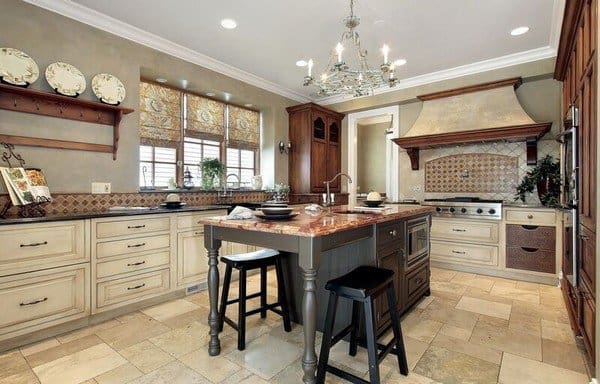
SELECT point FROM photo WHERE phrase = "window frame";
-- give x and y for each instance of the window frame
(153, 163)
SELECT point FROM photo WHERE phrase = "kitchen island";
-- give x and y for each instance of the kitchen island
(397, 239)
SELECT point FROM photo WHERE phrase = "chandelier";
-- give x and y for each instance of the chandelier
(354, 77)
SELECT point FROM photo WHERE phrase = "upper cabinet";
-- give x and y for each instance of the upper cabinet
(315, 157)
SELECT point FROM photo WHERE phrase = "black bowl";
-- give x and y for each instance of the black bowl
(373, 203)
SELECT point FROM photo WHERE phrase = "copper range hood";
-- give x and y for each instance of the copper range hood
(475, 114)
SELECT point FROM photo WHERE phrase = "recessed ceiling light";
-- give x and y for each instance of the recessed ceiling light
(228, 23)
(519, 31)
(161, 80)
(301, 63)
(399, 62)
(211, 94)
(380, 21)
(248, 105)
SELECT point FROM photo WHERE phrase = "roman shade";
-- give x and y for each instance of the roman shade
(205, 118)
(160, 115)
(244, 128)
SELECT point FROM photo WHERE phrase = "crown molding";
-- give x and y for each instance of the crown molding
(447, 74)
(111, 25)
(558, 11)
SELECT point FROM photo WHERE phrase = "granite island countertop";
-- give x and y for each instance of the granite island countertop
(128, 211)
(322, 223)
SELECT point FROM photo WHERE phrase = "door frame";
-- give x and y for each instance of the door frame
(391, 153)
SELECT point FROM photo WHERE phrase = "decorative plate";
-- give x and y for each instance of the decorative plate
(108, 89)
(65, 79)
(17, 67)
(261, 215)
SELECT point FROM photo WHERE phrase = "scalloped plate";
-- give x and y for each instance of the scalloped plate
(17, 67)
(108, 88)
(65, 79)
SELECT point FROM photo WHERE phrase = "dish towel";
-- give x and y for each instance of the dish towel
(240, 213)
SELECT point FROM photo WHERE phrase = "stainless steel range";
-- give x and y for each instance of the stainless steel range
(466, 207)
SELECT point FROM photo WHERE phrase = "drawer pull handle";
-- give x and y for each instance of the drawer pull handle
(459, 230)
(393, 232)
(138, 263)
(34, 302)
(459, 252)
(136, 287)
(136, 245)
(419, 281)
(530, 216)
(136, 226)
(529, 227)
(528, 249)
(198, 233)
(34, 244)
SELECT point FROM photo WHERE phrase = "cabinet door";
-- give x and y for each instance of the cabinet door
(587, 324)
(587, 261)
(192, 260)
(587, 150)
(318, 153)
(334, 155)
(389, 259)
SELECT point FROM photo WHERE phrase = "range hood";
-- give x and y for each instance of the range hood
(481, 113)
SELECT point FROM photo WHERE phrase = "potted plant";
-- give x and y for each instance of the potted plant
(545, 176)
(212, 171)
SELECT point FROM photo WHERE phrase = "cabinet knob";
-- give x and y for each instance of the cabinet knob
(530, 216)
(393, 232)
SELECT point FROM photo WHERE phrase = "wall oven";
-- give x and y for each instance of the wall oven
(570, 178)
(417, 240)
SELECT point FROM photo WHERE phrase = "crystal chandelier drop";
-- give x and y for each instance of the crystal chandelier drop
(354, 77)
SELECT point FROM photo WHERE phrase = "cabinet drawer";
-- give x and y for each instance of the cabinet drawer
(531, 236)
(464, 253)
(417, 281)
(38, 246)
(390, 233)
(531, 259)
(40, 297)
(464, 231)
(132, 288)
(533, 217)
(185, 221)
(132, 264)
(138, 244)
(106, 229)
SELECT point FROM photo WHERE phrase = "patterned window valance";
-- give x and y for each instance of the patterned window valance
(244, 128)
(205, 118)
(160, 115)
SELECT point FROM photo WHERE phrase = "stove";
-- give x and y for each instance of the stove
(466, 207)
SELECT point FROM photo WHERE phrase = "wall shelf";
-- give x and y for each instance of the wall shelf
(37, 102)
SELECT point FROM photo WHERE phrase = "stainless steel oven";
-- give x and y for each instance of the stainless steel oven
(417, 239)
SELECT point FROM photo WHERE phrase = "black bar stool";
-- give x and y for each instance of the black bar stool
(362, 285)
(245, 262)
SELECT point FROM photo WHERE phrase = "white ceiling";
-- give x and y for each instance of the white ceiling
(433, 35)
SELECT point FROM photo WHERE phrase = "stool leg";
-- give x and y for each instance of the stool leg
(397, 327)
(355, 326)
(263, 291)
(224, 296)
(371, 341)
(327, 334)
(242, 312)
(282, 295)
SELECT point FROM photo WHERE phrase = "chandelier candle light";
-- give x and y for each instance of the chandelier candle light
(340, 78)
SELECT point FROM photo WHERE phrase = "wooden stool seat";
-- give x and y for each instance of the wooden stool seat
(362, 286)
(243, 263)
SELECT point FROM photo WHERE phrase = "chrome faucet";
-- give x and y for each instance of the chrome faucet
(224, 193)
(328, 201)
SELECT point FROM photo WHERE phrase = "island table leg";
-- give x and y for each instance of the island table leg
(212, 245)
(308, 258)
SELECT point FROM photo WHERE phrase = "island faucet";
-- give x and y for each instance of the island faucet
(224, 193)
(328, 203)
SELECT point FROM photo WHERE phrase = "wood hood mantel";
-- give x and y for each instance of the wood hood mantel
(482, 113)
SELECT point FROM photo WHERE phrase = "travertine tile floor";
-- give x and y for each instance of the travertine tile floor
(472, 329)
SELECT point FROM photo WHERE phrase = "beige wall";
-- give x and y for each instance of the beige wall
(48, 37)
(371, 157)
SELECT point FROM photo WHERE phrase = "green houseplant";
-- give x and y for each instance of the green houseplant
(545, 176)
(212, 170)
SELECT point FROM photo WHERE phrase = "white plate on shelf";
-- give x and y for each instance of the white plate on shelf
(108, 89)
(65, 79)
(17, 67)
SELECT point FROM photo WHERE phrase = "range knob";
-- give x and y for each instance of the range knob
(479, 210)
(463, 210)
(492, 211)
(452, 210)
(438, 209)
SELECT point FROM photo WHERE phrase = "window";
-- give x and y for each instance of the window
(157, 166)
(178, 130)
(241, 162)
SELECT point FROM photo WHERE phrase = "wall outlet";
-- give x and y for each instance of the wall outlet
(100, 188)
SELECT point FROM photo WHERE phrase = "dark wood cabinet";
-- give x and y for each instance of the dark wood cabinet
(576, 67)
(315, 133)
